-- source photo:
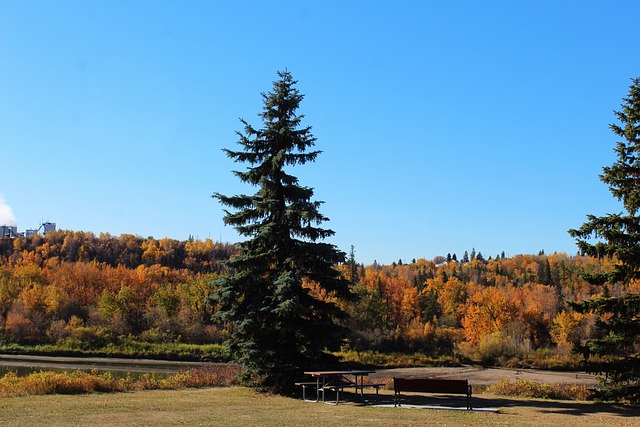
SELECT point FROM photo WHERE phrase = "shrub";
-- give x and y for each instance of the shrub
(87, 338)
(59, 383)
(497, 346)
(78, 382)
(393, 360)
(210, 374)
(21, 330)
(492, 348)
(155, 335)
(534, 389)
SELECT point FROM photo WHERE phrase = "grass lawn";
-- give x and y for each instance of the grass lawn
(238, 406)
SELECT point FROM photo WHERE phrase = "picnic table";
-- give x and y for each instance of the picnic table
(337, 381)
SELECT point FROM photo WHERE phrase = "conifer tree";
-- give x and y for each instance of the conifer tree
(618, 238)
(279, 325)
(352, 267)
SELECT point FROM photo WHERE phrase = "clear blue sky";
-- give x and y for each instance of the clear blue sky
(445, 126)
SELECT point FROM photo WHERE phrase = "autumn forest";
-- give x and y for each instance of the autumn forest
(81, 292)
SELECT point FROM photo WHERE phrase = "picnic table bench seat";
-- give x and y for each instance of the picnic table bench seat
(431, 385)
(338, 388)
(336, 381)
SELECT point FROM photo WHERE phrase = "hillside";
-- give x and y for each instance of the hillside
(81, 291)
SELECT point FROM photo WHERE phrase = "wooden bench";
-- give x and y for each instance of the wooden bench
(431, 385)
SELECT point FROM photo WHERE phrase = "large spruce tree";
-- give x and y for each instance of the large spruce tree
(615, 352)
(278, 294)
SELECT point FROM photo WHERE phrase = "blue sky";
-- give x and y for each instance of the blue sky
(444, 126)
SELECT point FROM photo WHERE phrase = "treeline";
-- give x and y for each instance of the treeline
(490, 310)
(126, 250)
(81, 291)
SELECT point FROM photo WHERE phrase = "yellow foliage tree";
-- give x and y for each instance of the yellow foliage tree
(487, 311)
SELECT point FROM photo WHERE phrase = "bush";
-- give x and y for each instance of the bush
(59, 383)
(21, 330)
(393, 360)
(493, 348)
(534, 389)
(87, 338)
(155, 335)
(427, 338)
(497, 346)
(78, 382)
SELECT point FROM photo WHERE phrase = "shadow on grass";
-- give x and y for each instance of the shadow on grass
(559, 406)
(480, 402)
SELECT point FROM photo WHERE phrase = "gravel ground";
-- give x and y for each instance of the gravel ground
(488, 376)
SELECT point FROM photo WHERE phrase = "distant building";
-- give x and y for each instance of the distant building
(11, 231)
(47, 227)
(8, 231)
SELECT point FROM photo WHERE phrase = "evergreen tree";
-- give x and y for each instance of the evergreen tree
(544, 272)
(279, 326)
(352, 267)
(618, 238)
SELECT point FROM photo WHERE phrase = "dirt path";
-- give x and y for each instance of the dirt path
(487, 376)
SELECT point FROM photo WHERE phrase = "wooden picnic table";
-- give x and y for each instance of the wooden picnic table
(337, 381)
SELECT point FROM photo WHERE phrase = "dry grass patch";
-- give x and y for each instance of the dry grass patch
(528, 388)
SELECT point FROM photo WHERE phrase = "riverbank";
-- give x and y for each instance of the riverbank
(477, 376)
(99, 363)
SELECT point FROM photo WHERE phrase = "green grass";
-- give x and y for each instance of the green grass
(238, 406)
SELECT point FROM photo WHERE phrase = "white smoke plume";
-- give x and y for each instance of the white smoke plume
(6, 214)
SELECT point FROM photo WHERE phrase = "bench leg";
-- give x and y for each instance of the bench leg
(304, 394)
(360, 394)
(337, 390)
(377, 393)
